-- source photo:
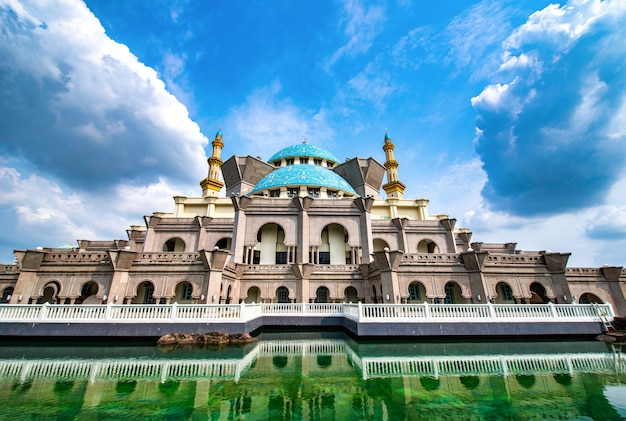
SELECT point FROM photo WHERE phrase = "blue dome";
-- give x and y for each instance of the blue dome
(303, 175)
(304, 150)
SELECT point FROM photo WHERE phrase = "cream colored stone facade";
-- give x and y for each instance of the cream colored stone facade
(302, 243)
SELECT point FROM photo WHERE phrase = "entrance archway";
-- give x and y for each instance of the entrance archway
(538, 294)
(50, 293)
(88, 294)
(589, 298)
(350, 295)
(253, 296)
(145, 291)
(270, 248)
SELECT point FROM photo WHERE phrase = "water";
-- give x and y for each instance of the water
(316, 377)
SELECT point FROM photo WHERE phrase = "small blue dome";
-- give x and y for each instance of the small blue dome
(304, 150)
(303, 175)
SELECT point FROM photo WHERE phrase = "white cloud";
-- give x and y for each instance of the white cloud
(99, 110)
(362, 25)
(266, 123)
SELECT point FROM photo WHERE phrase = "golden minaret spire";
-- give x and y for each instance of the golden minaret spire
(394, 187)
(211, 186)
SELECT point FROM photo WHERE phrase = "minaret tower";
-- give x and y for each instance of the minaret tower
(394, 188)
(211, 186)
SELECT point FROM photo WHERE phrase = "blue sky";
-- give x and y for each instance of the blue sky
(510, 116)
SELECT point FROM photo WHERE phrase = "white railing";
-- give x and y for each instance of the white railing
(379, 313)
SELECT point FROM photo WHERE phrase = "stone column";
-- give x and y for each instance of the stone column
(214, 263)
(239, 232)
(388, 263)
(556, 263)
(122, 262)
(303, 204)
(28, 264)
(474, 262)
(612, 275)
(367, 242)
(303, 273)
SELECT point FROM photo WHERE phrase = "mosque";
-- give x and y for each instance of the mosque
(302, 227)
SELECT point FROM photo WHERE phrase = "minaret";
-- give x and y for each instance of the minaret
(211, 186)
(394, 188)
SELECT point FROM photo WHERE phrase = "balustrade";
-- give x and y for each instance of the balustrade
(410, 313)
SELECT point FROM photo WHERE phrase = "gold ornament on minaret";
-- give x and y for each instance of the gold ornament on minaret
(211, 186)
(394, 187)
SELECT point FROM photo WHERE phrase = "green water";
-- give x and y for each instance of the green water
(316, 377)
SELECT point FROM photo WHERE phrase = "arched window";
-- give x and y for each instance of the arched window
(223, 244)
(145, 291)
(427, 246)
(334, 249)
(88, 293)
(6, 295)
(270, 248)
(505, 293)
(453, 293)
(380, 245)
(417, 293)
(50, 293)
(538, 294)
(254, 295)
(282, 295)
(589, 298)
(183, 293)
(350, 295)
(174, 244)
(322, 295)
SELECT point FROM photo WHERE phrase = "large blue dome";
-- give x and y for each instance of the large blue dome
(303, 175)
(303, 150)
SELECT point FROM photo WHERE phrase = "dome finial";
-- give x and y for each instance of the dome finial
(219, 132)
(304, 141)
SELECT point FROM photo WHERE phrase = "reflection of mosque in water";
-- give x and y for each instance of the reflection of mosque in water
(320, 379)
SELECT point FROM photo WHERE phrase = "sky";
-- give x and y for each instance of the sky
(509, 116)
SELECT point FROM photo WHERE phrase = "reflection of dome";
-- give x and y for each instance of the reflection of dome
(303, 150)
(303, 175)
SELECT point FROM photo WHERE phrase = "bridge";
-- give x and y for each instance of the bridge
(376, 320)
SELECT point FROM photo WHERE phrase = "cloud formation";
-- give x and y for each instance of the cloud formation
(81, 108)
(550, 128)
(266, 123)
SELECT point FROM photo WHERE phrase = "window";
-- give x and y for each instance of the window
(282, 294)
(414, 291)
(507, 292)
(449, 294)
(331, 194)
(317, 161)
(186, 291)
(281, 257)
(324, 257)
(256, 258)
(274, 193)
(314, 193)
(304, 160)
(293, 192)
(289, 161)
(330, 164)
(277, 163)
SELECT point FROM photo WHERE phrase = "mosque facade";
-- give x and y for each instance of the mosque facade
(302, 227)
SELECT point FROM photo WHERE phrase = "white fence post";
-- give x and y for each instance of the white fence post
(426, 310)
(174, 312)
(242, 311)
(492, 313)
(360, 312)
(43, 312)
(552, 310)
(107, 312)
